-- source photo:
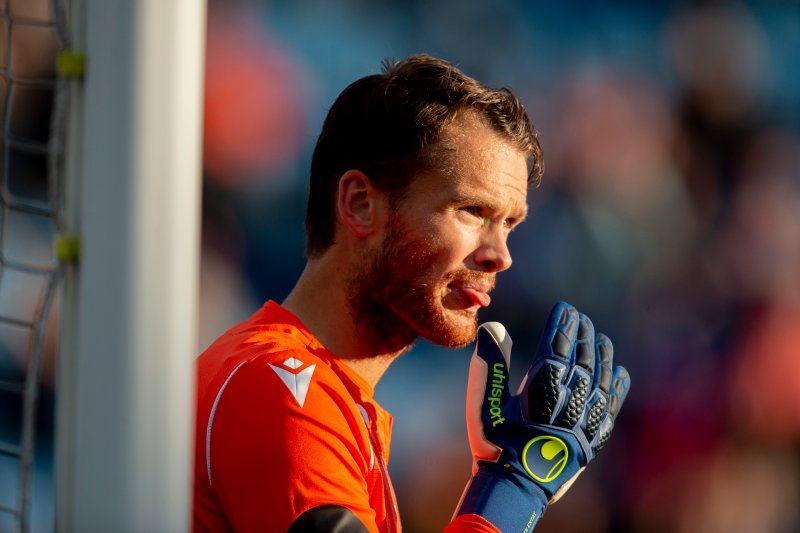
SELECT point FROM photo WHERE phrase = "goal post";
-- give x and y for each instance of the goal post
(129, 313)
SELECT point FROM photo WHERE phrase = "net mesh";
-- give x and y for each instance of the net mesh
(31, 36)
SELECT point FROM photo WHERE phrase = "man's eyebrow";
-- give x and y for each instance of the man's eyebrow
(521, 215)
(471, 198)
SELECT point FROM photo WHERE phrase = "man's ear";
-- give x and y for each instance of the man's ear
(360, 205)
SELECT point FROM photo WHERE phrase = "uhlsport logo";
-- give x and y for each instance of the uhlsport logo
(545, 457)
(496, 393)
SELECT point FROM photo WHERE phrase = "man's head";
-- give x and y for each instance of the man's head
(388, 125)
(427, 269)
(418, 177)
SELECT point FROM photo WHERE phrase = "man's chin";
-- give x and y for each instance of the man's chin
(453, 334)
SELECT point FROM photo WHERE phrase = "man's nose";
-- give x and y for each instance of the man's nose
(493, 255)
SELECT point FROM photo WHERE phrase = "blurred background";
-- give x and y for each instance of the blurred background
(669, 213)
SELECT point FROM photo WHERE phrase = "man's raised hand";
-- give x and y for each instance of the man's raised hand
(529, 447)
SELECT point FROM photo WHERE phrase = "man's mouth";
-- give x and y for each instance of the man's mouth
(471, 294)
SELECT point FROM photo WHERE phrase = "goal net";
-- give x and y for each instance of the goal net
(100, 106)
(29, 273)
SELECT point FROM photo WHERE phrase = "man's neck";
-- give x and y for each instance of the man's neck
(319, 300)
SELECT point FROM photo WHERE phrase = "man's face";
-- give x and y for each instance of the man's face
(444, 243)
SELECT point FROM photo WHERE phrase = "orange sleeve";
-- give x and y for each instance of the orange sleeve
(271, 459)
(470, 523)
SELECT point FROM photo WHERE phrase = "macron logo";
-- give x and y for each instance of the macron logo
(297, 381)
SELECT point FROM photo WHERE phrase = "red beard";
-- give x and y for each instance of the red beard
(396, 295)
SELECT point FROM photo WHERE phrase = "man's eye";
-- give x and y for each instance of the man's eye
(473, 210)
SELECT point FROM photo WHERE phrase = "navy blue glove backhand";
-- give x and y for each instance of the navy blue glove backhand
(529, 447)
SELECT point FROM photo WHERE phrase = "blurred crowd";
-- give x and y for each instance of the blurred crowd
(669, 212)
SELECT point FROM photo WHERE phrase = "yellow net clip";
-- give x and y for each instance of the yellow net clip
(67, 248)
(71, 64)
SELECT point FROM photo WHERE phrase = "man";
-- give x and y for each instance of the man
(418, 177)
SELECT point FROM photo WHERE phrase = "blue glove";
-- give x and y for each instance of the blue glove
(529, 447)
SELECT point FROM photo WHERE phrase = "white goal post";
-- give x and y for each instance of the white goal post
(129, 315)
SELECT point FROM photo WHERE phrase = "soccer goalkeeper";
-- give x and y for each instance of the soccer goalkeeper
(417, 178)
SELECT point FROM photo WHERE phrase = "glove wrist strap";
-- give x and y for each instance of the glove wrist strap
(509, 502)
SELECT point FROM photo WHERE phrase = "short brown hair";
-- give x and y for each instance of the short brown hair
(381, 125)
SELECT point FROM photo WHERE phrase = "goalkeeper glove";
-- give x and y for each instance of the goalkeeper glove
(529, 447)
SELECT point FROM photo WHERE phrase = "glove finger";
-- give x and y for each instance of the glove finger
(560, 333)
(621, 384)
(542, 387)
(487, 388)
(598, 400)
(579, 383)
(604, 351)
(585, 346)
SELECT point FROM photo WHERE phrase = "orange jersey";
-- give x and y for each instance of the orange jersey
(284, 426)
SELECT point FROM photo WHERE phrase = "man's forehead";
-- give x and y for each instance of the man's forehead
(467, 136)
(474, 164)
